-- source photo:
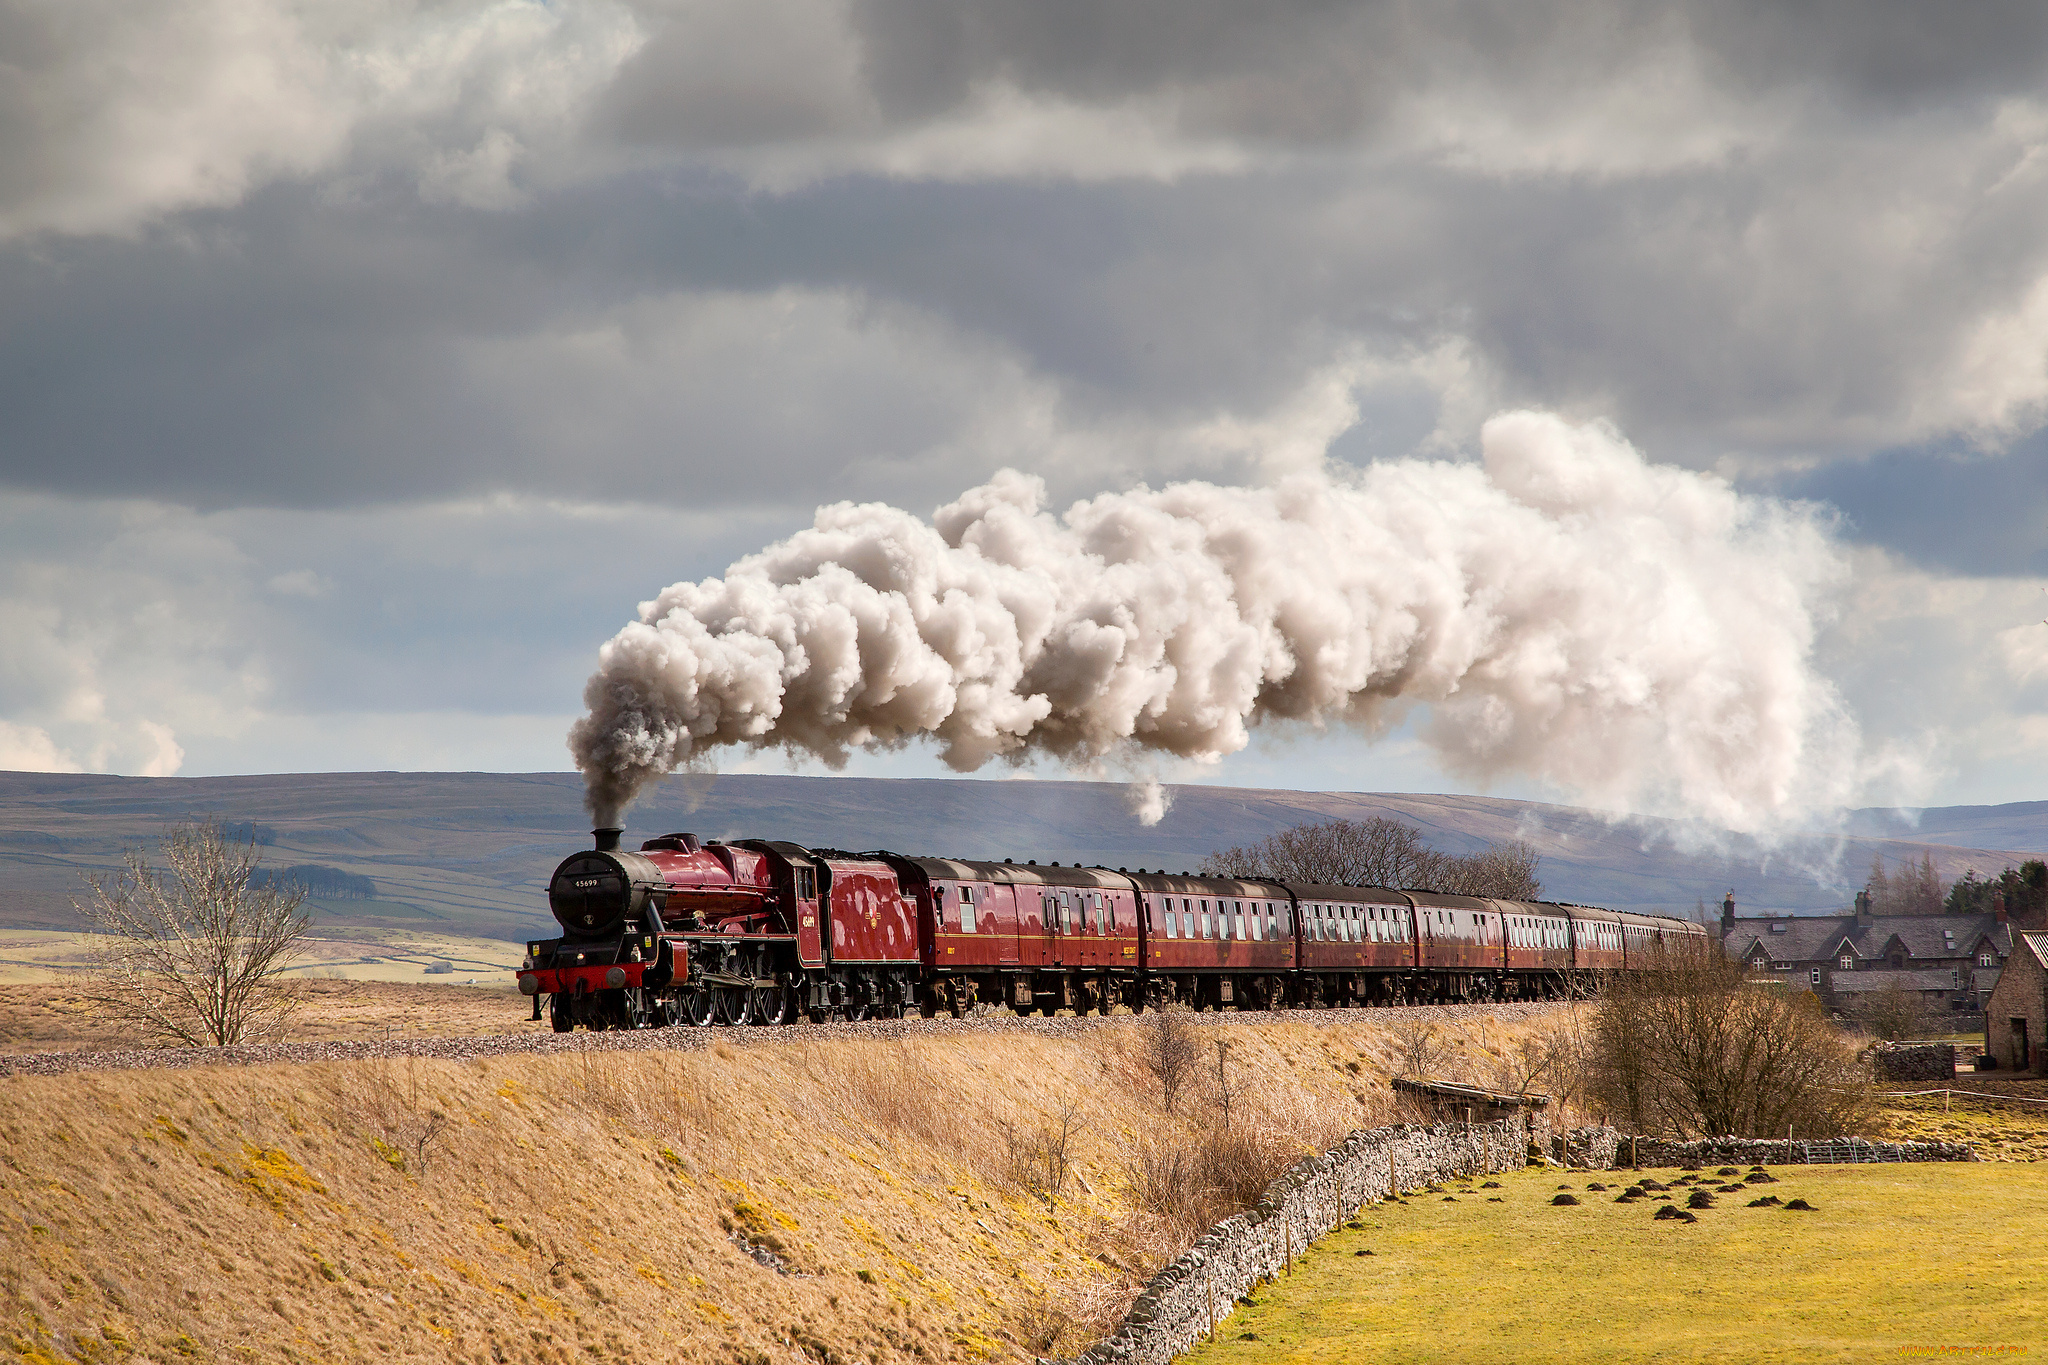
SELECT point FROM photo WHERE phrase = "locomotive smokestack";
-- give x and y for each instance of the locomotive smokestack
(608, 838)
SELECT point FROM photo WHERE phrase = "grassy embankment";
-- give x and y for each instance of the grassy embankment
(544, 1208)
(1895, 1260)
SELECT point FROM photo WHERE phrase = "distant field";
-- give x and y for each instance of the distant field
(353, 953)
(54, 1017)
(1896, 1261)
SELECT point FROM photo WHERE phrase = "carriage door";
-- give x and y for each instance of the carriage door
(1003, 899)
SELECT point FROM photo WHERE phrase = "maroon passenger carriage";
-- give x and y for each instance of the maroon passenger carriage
(766, 932)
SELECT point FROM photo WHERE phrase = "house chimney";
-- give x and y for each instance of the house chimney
(1998, 905)
(1863, 915)
(608, 838)
(1728, 914)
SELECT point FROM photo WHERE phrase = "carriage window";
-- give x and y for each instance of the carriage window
(1205, 921)
(806, 884)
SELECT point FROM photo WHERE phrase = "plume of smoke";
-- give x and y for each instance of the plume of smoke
(1637, 636)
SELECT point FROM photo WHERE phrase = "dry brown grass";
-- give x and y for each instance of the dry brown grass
(603, 1205)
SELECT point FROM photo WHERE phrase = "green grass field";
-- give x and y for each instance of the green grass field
(1896, 1262)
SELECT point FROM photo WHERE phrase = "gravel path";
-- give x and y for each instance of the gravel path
(688, 1039)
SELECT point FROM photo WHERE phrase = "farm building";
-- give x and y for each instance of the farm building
(2016, 1017)
(1951, 961)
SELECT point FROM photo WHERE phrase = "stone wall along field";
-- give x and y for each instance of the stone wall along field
(1913, 1062)
(1734, 1151)
(1184, 1302)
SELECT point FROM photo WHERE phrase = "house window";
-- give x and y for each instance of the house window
(1984, 960)
(1847, 963)
(1816, 976)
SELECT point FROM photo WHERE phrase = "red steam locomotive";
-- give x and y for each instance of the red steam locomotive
(758, 931)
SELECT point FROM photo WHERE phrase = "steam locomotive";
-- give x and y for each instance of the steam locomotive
(759, 931)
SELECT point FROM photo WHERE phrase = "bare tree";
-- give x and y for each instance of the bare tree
(1686, 1046)
(1914, 889)
(1422, 1051)
(1506, 870)
(1894, 1012)
(1170, 1052)
(191, 954)
(1375, 852)
(1380, 852)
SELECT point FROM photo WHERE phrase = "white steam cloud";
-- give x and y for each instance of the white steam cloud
(1637, 636)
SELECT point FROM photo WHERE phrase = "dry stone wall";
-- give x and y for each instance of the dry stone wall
(1591, 1148)
(1184, 1302)
(1734, 1151)
(1914, 1062)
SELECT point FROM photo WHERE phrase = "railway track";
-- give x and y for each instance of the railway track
(480, 1047)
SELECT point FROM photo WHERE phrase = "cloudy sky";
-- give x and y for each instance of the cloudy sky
(365, 364)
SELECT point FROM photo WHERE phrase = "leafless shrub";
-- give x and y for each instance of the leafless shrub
(1040, 1324)
(403, 1118)
(1189, 1178)
(1170, 1051)
(1225, 1089)
(1687, 1047)
(1421, 1051)
(1041, 1155)
(192, 954)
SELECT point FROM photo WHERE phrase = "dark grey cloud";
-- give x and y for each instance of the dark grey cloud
(707, 264)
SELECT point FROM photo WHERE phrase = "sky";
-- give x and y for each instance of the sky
(365, 365)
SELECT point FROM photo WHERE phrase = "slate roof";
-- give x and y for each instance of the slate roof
(1854, 983)
(1815, 938)
(2037, 944)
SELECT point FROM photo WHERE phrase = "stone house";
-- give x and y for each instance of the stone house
(2016, 1017)
(1951, 961)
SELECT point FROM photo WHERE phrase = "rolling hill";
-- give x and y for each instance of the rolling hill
(469, 853)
